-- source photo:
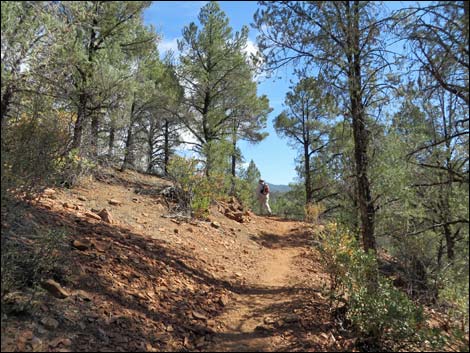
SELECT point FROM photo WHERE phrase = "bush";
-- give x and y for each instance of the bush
(30, 146)
(378, 311)
(313, 212)
(194, 191)
(30, 253)
(69, 169)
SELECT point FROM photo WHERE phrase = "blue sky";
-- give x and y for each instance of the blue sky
(273, 156)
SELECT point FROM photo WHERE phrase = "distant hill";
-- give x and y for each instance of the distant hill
(279, 188)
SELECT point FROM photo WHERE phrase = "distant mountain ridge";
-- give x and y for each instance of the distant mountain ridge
(279, 188)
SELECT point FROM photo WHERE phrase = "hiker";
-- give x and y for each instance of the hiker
(262, 193)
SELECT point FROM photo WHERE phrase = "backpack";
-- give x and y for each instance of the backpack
(265, 189)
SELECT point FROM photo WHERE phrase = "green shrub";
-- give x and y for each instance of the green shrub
(28, 259)
(313, 212)
(378, 311)
(69, 169)
(194, 191)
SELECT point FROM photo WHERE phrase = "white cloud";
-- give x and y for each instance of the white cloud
(252, 50)
(187, 136)
(251, 47)
(166, 45)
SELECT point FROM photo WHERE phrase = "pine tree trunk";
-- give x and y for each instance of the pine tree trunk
(78, 128)
(6, 100)
(128, 156)
(308, 176)
(361, 137)
(166, 147)
(234, 158)
(94, 136)
(111, 141)
(150, 150)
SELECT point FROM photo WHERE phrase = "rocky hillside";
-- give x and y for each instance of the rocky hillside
(129, 276)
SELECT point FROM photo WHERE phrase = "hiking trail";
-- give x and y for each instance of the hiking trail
(135, 278)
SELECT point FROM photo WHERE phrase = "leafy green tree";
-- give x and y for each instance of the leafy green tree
(304, 124)
(249, 181)
(221, 95)
(343, 39)
(438, 35)
(164, 126)
(101, 34)
(28, 30)
(147, 75)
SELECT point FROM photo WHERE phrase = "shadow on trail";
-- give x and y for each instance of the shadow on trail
(303, 331)
(297, 238)
(139, 288)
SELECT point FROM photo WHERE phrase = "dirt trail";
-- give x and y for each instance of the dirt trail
(262, 310)
(147, 282)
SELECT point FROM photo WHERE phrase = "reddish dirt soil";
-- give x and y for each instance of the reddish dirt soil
(147, 282)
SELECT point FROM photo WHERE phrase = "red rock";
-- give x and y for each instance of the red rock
(50, 323)
(106, 216)
(49, 191)
(81, 244)
(55, 289)
(223, 300)
(198, 315)
(93, 215)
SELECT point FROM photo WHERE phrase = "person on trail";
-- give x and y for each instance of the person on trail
(262, 193)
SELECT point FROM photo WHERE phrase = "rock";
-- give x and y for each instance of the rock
(114, 202)
(36, 344)
(50, 323)
(237, 216)
(176, 230)
(26, 335)
(268, 320)
(83, 295)
(68, 205)
(261, 328)
(290, 318)
(49, 192)
(200, 342)
(215, 224)
(81, 244)
(82, 198)
(198, 315)
(145, 214)
(135, 199)
(60, 341)
(55, 289)
(162, 337)
(187, 343)
(106, 216)
(223, 300)
(92, 215)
